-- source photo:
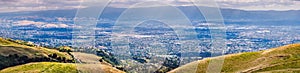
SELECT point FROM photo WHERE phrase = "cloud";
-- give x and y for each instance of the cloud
(233, 4)
(260, 4)
(39, 24)
(38, 5)
(128, 3)
(55, 26)
(26, 23)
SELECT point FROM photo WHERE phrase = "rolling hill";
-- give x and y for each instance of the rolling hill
(55, 67)
(16, 52)
(39, 67)
(18, 56)
(276, 60)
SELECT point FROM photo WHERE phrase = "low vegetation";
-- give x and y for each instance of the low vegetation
(108, 57)
(281, 59)
(16, 52)
(65, 49)
(42, 67)
(17, 56)
(169, 64)
(24, 57)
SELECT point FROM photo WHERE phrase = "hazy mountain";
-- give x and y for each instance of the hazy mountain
(231, 16)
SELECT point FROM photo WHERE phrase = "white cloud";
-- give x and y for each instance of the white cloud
(63, 25)
(233, 4)
(238, 1)
(37, 5)
(50, 25)
(39, 24)
(260, 4)
(129, 3)
(26, 23)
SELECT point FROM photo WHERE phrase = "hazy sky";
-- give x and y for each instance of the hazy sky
(36, 5)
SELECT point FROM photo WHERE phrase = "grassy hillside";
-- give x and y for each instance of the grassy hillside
(281, 59)
(90, 63)
(16, 52)
(23, 57)
(42, 67)
(54, 67)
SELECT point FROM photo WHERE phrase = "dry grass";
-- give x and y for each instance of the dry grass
(42, 67)
(13, 53)
(97, 68)
(281, 58)
(90, 63)
(27, 50)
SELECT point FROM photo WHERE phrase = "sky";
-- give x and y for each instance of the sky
(38, 5)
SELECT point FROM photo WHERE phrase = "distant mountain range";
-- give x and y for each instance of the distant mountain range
(231, 16)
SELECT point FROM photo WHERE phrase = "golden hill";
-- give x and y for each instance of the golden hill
(23, 57)
(54, 67)
(278, 60)
(16, 52)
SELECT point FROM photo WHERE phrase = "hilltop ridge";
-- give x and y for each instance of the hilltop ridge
(18, 56)
(16, 52)
(281, 59)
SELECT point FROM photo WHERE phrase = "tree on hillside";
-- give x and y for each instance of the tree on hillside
(169, 64)
(65, 49)
(108, 57)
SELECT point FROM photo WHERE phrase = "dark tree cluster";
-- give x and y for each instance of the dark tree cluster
(65, 49)
(141, 60)
(108, 57)
(169, 64)
(54, 57)
(15, 59)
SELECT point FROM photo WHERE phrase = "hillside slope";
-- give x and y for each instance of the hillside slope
(15, 52)
(88, 64)
(54, 67)
(42, 67)
(22, 57)
(281, 59)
